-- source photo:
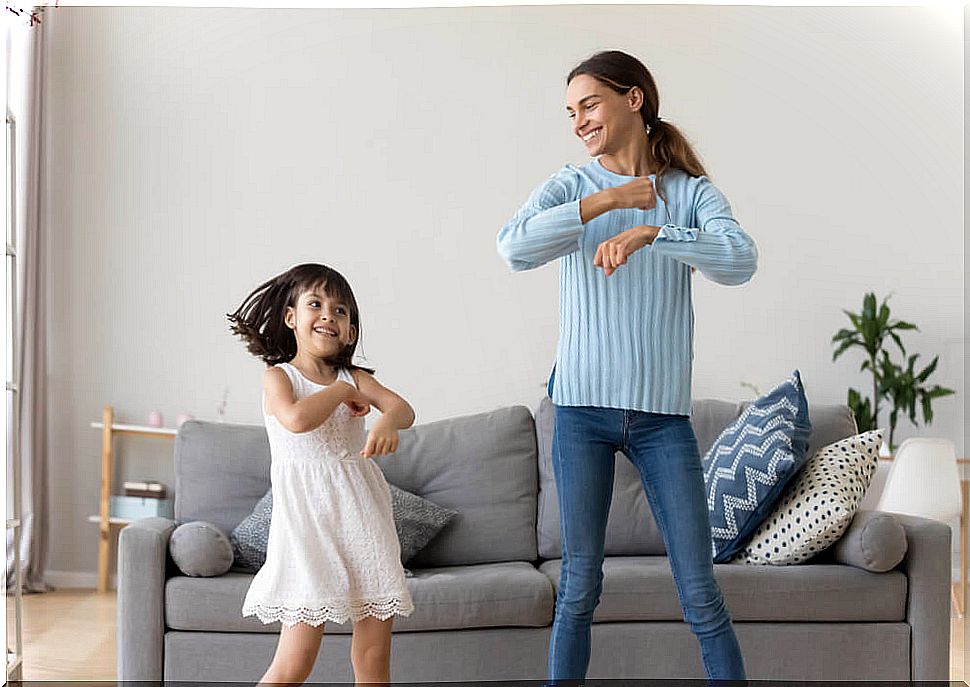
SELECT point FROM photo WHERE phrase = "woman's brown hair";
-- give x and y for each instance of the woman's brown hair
(260, 322)
(621, 72)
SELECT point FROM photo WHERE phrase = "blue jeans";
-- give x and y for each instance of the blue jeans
(664, 450)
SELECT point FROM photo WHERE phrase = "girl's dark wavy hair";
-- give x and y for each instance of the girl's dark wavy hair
(260, 323)
(621, 72)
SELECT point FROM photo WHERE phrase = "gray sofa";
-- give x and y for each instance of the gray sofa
(484, 588)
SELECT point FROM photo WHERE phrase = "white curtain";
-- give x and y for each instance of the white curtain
(25, 95)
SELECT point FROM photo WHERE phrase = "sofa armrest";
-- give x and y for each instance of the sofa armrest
(142, 565)
(927, 567)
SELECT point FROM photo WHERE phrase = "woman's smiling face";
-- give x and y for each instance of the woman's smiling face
(602, 118)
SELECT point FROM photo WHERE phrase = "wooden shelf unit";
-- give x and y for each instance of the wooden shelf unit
(109, 428)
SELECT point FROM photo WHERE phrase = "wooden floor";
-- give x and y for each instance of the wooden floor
(69, 634)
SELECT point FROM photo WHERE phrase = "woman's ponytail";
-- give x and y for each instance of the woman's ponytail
(670, 148)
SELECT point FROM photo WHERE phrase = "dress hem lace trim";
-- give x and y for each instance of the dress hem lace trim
(338, 613)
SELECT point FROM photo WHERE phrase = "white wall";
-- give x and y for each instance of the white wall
(194, 153)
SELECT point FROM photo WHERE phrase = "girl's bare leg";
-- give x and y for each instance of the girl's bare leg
(296, 653)
(370, 651)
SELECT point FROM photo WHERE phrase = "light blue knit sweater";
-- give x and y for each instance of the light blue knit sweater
(626, 341)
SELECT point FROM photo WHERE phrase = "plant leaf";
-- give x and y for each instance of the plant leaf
(842, 348)
(895, 337)
(927, 410)
(883, 315)
(928, 370)
(841, 334)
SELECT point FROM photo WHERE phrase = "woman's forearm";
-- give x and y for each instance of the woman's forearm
(594, 205)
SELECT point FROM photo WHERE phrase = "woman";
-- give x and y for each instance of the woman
(630, 226)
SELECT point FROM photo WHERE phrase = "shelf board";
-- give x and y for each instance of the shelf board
(13, 523)
(112, 521)
(118, 428)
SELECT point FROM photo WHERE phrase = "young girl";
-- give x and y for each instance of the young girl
(333, 552)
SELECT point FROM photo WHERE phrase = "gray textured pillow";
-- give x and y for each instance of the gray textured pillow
(416, 520)
(249, 537)
(874, 541)
(200, 549)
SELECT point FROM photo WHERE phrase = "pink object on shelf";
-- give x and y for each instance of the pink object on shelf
(182, 418)
(154, 419)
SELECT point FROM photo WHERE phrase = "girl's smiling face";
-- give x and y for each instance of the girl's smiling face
(321, 323)
(602, 118)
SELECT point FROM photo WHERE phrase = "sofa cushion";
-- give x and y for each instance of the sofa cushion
(642, 588)
(818, 504)
(416, 521)
(874, 541)
(221, 471)
(489, 595)
(484, 467)
(250, 537)
(830, 422)
(752, 461)
(631, 528)
(200, 549)
(710, 416)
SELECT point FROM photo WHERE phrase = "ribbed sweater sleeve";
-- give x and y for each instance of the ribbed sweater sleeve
(718, 247)
(547, 227)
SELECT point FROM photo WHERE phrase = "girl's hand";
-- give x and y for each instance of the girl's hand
(638, 193)
(357, 409)
(358, 403)
(382, 440)
(614, 251)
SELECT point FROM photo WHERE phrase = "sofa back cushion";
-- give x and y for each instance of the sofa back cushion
(483, 466)
(631, 528)
(221, 471)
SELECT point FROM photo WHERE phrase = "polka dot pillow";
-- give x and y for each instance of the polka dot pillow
(818, 505)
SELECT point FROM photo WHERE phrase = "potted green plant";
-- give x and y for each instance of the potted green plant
(900, 387)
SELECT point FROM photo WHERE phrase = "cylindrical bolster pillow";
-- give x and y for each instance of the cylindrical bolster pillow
(874, 541)
(200, 549)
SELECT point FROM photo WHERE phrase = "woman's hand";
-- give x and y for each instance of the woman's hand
(382, 439)
(614, 251)
(638, 193)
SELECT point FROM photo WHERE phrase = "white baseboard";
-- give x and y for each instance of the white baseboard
(66, 579)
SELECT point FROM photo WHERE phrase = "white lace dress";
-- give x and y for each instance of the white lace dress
(333, 552)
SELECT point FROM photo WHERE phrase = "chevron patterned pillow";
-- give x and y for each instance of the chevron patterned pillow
(751, 462)
(818, 505)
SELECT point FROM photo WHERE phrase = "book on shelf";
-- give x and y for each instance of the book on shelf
(149, 489)
(145, 494)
